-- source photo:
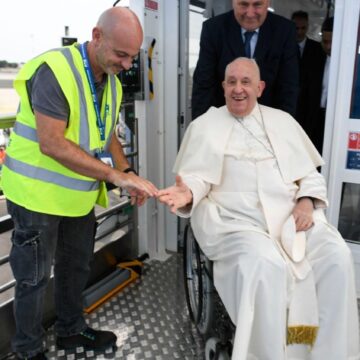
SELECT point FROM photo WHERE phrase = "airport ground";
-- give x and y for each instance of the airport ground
(9, 99)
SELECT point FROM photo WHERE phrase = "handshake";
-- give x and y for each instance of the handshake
(139, 189)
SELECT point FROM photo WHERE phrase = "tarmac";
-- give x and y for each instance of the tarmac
(9, 99)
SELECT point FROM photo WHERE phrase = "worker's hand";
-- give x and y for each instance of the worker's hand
(137, 198)
(176, 196)
(303, 214)
(138, 188)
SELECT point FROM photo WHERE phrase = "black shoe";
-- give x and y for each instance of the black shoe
(89, 339)
(40, 356)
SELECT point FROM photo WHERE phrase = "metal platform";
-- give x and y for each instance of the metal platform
(149, 317)
(115, 241)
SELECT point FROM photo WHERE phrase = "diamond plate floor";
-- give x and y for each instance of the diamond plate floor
(149, 317)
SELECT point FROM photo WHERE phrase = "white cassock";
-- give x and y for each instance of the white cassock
(246, 176)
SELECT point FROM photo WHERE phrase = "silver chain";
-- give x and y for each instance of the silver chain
(241, 122)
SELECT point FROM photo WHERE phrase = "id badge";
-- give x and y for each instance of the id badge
(106, 158)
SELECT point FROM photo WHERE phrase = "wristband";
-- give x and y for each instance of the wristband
(130, 169)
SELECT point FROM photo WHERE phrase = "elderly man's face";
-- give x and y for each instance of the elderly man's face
(242, 87)
(250, 14)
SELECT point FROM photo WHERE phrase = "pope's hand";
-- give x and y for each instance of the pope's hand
(176, 196)
(303, 214)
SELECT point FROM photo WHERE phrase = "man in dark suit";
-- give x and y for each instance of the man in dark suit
(309, 50)
(311, 57)
(272, 45)
(314, 85)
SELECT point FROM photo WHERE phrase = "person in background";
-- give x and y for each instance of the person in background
(309, 50)
(62, 151)
(248, 30)
(314, 87)
(256, 203)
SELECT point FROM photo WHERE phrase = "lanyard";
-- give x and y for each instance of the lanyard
(100, 123)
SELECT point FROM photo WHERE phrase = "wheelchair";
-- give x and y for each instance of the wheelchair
(204, 304)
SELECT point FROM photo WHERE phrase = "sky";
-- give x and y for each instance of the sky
(30, 27)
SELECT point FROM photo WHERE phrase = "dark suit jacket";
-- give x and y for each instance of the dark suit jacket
(309, 114)
(312, 53)
(276, 53)
(355, 101)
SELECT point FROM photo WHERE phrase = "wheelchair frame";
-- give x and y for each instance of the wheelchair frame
(205, 307)
(198, 276)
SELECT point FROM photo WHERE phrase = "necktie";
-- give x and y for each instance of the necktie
(248, 35)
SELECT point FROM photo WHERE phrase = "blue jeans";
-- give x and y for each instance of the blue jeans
(39, 241)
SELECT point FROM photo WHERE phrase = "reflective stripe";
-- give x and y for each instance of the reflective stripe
(84, 136)
(30, 133)
(113, 109)
(84, 133)
(49, 176)
(25, 131)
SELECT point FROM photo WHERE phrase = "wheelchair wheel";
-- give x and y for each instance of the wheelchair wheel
(198, 283)
(215, 350)
(192, 275)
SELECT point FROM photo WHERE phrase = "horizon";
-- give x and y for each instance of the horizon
(29, 28)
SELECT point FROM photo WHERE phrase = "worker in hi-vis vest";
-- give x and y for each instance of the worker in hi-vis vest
(62, 151)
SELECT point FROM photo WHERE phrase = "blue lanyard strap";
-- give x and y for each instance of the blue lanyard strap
(90, 77)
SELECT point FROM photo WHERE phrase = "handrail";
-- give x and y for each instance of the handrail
(7, 120)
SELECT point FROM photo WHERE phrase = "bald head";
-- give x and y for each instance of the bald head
(116, 41)
(119, 19)
(249, 63)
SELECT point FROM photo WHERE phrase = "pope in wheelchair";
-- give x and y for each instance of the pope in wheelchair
(247, 177)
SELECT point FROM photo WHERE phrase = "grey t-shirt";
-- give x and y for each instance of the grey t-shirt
(46, 95)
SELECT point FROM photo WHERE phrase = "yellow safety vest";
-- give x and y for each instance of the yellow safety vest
(38, 182)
